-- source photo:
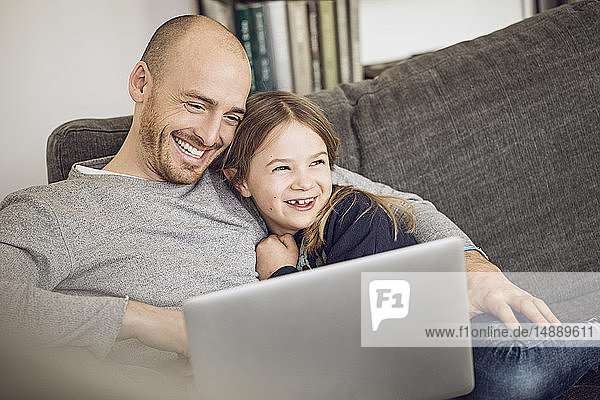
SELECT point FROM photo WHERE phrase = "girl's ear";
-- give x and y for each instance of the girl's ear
(240, 186)
(230, 173)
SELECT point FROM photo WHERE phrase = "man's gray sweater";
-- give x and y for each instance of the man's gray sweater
(73, 252)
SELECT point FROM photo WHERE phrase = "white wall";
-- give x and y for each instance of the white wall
(395, 29)
(66, 59)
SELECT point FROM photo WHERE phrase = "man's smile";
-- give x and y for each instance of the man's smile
(188, 149)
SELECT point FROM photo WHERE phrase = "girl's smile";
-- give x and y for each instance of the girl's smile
(302, 204)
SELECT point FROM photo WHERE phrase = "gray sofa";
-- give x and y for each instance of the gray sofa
(502, 133)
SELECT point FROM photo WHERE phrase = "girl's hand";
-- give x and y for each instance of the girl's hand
(274, 252)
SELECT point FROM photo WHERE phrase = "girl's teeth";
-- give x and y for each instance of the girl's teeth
(301, 202)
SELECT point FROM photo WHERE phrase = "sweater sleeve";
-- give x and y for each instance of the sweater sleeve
(34, 259)
(430, 223)
(355, 229)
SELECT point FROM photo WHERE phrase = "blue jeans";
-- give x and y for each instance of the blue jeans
(529, 371)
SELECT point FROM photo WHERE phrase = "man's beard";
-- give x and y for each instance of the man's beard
(152, 141)
(155, 142)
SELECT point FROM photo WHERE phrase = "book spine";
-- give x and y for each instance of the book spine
(529, 8)
(313, 29)
(261, 52)
(276, 20)
(300, 46)
(545, 5)
(243, 29)
(221, 11)
(353, 10)
(328, 44)
(343, 40)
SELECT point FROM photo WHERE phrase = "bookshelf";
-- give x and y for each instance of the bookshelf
(308, 45)
(301, 45)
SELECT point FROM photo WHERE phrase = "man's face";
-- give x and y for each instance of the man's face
(191, 114)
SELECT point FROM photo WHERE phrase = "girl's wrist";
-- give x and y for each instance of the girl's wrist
(283, 270)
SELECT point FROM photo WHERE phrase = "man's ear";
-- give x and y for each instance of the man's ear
(138, 81)
(241, 186)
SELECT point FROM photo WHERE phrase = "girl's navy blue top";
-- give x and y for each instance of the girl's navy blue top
(350, 232)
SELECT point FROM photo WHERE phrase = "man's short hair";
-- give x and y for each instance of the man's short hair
(164, 41)
(168, 35)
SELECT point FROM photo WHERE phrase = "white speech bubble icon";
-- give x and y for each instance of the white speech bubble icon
(389, 299)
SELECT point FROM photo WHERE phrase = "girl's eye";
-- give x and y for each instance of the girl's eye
(317, 162)
(281, 168)
(193, 107)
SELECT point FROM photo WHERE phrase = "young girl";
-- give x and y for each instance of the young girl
(281, 157)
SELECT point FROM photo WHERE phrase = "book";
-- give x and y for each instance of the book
(261, 49)
(277, 22)
(353, 12)
(343, 40)
(313, 30)
(529, 8)
(300, 46)
(545, 5)
(243, 32)
(221, 11)
(328, 44)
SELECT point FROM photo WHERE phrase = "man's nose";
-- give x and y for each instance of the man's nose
(209, 130)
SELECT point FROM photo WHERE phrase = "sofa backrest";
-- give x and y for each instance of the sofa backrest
(83, 139)
(501, 133)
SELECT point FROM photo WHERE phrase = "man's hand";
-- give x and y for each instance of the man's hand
(274, 252)
(490, 291)
(156, 327)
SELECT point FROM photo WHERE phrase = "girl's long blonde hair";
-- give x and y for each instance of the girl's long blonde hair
(269, 110)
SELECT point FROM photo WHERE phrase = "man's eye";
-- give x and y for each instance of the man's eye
(317, 162)
(233, 119)
(281, 168)
(193, 107)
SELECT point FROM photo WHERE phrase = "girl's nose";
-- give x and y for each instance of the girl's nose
(302, 182)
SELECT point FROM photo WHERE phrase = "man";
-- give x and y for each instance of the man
(111, 253)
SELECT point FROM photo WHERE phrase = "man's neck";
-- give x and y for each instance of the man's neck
(128, 161)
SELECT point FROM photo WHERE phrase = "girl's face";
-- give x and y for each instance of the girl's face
(289, 178)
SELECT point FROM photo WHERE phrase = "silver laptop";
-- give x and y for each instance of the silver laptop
(313, 334)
